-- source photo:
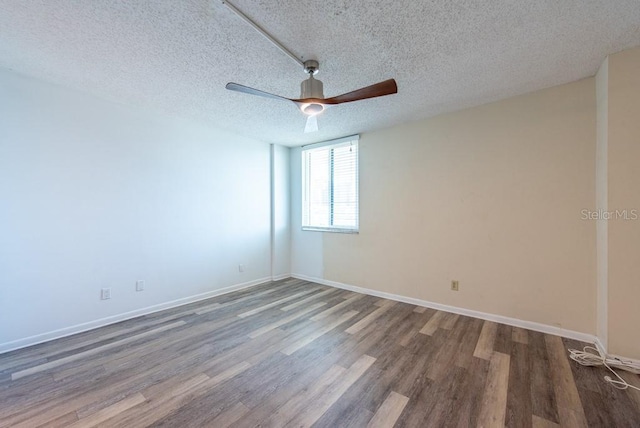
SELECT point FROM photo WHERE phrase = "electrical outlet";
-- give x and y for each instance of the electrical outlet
(105, 294)
(240, 268)
(139, 285)
(455, 286)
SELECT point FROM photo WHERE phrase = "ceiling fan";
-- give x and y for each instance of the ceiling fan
(312, 101)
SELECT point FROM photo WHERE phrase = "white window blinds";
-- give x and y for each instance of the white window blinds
(330, 186)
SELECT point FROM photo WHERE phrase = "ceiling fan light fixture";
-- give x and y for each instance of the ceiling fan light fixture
(311, 109)
(312, 101)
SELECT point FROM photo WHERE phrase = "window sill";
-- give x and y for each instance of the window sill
(329, 229)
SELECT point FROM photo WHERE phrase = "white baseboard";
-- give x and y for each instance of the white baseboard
(601, 348)
(633, 361)
(79, 328)
(529, 325)
(279, 277)
(603, 351)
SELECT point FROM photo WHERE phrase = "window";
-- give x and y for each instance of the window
(330, 186)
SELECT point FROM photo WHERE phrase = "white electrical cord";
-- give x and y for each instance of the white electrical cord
(591, 356)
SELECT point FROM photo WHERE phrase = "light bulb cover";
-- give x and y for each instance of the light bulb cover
(312, 109)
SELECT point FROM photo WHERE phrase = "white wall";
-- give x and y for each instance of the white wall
(490, 196)
(623, 193)
(281, 229)
(94, 194)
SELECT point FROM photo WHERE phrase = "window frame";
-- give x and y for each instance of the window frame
(342, 142)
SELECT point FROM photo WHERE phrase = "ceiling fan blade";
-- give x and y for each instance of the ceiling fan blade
(247, 90)
(312, 124)
(387, 87)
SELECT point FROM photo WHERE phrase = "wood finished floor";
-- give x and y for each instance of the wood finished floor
(294, 353)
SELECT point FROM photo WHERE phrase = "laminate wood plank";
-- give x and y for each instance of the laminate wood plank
(52, 348)
(124, 356)
(353, 419)
(248, 297)
(278, 378)
(17, 364)
(109, 412)
(591, 400)
(503, 339)
(62, 421)
(493, 411)
(229, 373)
(632, 379)
(320, 404)
(355, 328)
(470, 400)
(449, 321)
(287, 377)
(543, 397)
(389, 411)
(230, 416)
(434, 322)
(484, 347)
(297, 404)
(317, 333)
(118, 360)
(520, 335)
(192, 383)
(444, 410)
(420, 405)
(18, 405)
(76, 371)
(93, 351)
(519, 409)
(174, 385)
(417, 322)
(93, 396)
(116, 365)
(170, 400)
(538, 422)
(420, 309)
(389, 327)
(472, 332)
(356, 407)
(288, 338)
(441, 364)
(337, 307)
(283, 321)
(407, 337)
(210, 308)
(400, 327)
(276, 303)
(374, 340)
(155, 408)
(306, 300)
(291, 285)
(413, 380)
(570, 409)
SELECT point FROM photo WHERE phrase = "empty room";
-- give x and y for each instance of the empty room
(328, 214)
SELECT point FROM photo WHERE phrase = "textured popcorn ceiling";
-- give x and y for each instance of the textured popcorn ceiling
(176, 56)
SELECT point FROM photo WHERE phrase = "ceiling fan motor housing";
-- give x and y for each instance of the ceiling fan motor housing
(311, 88)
